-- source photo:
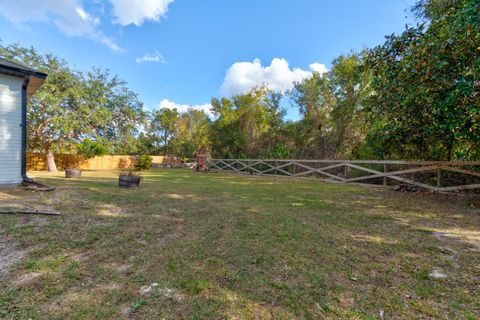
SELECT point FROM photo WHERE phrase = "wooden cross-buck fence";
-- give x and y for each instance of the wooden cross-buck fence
(438, 176)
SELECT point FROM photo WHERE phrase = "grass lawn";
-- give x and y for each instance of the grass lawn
(220, 246)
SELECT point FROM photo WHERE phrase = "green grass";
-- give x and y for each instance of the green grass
(237, 247)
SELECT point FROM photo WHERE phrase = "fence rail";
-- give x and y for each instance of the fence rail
(437, 176)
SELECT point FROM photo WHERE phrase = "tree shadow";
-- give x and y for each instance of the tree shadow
(282, 250)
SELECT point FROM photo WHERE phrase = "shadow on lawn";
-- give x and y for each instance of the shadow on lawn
(265, 251)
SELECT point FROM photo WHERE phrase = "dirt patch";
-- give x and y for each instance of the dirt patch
(10, 196)
(10, 254)
(63, 303)
(19, 198)
(170, 237)
(169, 219)
(162, 293)
(29, 220)
(81, 256)
(110, 210)
(126, 311)
(469, 238)
(109, 287)
(26, 278)
(121, 268)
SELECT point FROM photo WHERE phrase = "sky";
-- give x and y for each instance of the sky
(181, 53)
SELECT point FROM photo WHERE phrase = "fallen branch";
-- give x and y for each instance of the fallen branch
(47, 213)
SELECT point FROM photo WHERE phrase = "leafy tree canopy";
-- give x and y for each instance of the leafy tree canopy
(71, 106)
(426, 101)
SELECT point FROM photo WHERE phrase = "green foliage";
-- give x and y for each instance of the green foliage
(70, 106)
(426, 82)
(332, 105)
(90, 148)
(162, 127)
(279, 151)
(315, 101)
(115, 112)
(172, 133)
(246, 125)
(414, 97)
(143, 162)
(350, 82)
(192, 133)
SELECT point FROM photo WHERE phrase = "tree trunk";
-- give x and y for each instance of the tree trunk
(165, 139)
(450, 145)
(52, 167)
(339, 143)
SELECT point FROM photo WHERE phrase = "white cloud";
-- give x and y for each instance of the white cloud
(318, 67)
(241, 77)
(137, 11)
(69, 16)
(165, 103)
(152, 57)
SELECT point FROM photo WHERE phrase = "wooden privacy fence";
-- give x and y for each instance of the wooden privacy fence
(36, 161)
(439, 176)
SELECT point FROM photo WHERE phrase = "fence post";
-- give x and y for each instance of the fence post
(385, 171)
(439, 177)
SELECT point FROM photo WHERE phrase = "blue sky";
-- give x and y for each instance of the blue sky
(194, 50)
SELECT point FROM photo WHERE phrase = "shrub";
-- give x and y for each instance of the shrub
(144, 162)
(90, 148)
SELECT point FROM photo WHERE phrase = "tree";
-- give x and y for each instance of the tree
(226, 135)
(246, 124)
(350, 84)
(416, 97)
(115, 113)
(90, 148)
(70, 107)
(192, 133)
(163, 126)
(315, 100)
(54, 114)
(426, 82)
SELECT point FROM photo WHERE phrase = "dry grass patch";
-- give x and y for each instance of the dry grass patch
(216, 246)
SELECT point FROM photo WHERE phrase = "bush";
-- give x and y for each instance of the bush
(90, 148)
(144, 162)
